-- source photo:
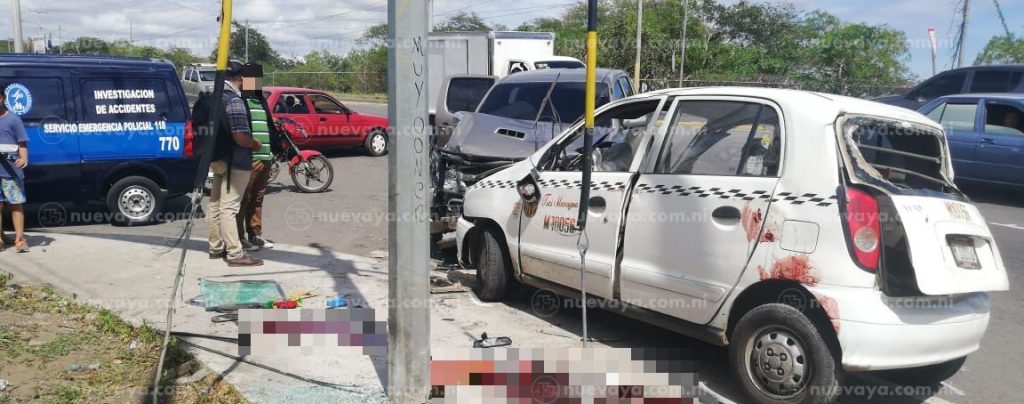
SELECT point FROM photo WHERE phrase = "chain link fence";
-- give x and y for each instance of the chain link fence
(343, 82)
(854, 90)
(376, 83)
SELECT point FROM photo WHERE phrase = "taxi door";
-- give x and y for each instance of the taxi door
(548, 229)
(698, 208)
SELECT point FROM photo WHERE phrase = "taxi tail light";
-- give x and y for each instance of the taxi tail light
(862, 219)
(189, 139)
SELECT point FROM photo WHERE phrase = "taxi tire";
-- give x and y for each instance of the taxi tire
(825, 371)
(114, 195)
(493, 268)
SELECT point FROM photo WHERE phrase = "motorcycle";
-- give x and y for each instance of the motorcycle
(310, 170)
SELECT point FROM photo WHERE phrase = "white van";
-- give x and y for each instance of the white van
(811, 233)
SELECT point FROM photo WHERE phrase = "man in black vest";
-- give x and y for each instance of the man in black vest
(231, 177)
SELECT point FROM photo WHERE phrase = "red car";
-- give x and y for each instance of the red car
(328, 122)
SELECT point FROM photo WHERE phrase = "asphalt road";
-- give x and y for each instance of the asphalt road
(352, 218)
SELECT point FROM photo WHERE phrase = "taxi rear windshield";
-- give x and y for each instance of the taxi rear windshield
(897, 155)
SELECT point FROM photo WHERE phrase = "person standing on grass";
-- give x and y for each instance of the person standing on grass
(231, 177)
(13, 160)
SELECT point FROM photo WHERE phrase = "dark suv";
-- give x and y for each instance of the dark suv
(974, 79)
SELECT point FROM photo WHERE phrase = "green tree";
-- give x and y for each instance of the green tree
(1002, 49)
(463, 22)
(87, 45)
(260, 50)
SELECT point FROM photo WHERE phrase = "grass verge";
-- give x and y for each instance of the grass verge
(57, 351)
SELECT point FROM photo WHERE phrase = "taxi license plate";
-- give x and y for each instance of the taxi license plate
(964, 253)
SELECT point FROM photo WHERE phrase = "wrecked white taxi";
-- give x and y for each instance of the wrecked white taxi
(813, 234)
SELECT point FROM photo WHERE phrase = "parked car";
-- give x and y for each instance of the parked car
(103, 128)
(974, 79)
(329, 123)
(198, 78)
(986, 136)
(519, 114)
(812, 234)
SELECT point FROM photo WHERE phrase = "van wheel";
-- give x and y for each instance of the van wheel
(493, 271)
(925, 375)
(780, 357)
(135, 200)
(376, 143)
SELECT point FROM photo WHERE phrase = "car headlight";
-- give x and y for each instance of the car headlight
(453, 182)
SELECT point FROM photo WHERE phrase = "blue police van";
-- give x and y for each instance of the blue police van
(105, 129)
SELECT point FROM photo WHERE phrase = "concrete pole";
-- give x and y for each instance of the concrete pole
(19, 43)
(408, 198)
(246, 41)
(639, 41)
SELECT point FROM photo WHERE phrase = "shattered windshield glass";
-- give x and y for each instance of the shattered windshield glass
(896, 154)
(523, 101)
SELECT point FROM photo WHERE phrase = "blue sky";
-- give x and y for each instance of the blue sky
(295, 27)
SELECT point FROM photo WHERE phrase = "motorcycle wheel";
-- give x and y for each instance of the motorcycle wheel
(314, 175)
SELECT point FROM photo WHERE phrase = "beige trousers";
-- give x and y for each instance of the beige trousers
(222, 209)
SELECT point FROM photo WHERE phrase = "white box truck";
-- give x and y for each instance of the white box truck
(495, 54)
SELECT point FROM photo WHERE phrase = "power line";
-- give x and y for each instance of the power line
(326, 17)
(450, 12)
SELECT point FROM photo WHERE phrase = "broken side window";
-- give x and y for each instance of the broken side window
(896, 155)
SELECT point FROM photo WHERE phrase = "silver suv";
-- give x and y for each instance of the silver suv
(198, 78)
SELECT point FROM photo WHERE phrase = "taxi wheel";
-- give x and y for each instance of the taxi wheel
(780, 357)
(134, 200)
(493, 268)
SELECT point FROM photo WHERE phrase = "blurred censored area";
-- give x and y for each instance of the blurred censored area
(563, 375)
(310, 332)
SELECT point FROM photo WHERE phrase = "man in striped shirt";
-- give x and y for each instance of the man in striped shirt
(230, 178)
(250, 218)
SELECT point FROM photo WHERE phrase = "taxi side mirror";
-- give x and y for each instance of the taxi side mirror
(528, 188)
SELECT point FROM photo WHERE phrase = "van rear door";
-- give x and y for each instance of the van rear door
(951, 249)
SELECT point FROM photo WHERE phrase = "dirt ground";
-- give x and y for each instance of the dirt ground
(54, 350)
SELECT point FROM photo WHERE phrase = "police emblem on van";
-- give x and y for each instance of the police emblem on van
(18, 99)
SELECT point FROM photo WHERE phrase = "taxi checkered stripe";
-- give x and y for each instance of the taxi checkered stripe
(494, 184)
(722, 193)
(802, 199)
(570, 184)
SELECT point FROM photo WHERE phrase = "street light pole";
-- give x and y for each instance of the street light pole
(639, 41)
(19, 44)
(408, 196)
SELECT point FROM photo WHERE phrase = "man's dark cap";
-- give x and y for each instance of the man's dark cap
(234, 69)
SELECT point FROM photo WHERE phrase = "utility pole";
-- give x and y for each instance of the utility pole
(582, 243)
(931, 37)
(19, 44)
(408, 196)
(60, 40)
(131, 32)
(246, 41)
(963, 34)
(639, 41)
(682, 56)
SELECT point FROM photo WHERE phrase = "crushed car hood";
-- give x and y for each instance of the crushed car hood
(485, 135)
